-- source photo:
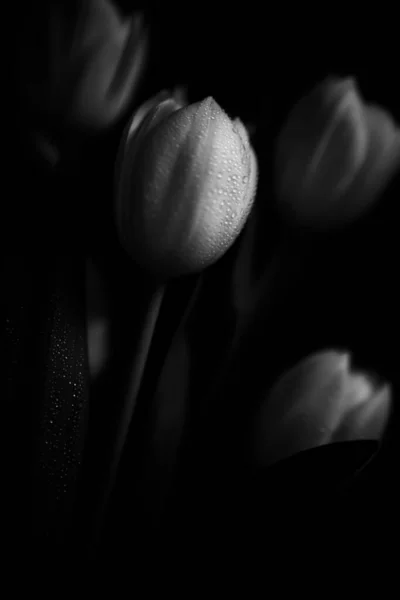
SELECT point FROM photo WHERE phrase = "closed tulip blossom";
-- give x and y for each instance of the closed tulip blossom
(334, 155)
(95, 58)
(186, 180)
(317, 402)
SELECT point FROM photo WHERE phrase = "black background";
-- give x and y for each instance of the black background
(256, 62)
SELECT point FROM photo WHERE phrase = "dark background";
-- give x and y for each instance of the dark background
(254, 59)
(256, 62)
(258, 59)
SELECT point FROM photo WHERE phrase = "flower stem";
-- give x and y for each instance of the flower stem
(157, 478)
(150, 318)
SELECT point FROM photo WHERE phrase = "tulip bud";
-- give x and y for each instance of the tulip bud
(185, 182)
(89, 66)
(334, 155)
(320, 401)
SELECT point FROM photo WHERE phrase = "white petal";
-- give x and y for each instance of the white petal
(367, 420)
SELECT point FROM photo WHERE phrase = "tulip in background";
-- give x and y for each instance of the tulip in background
(186, 181)
(92, 63)
(320, 401)
(334, 155)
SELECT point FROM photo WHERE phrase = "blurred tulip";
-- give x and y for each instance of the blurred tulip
(186, 179)
(89, 66)
(334, 155)
(320, 401)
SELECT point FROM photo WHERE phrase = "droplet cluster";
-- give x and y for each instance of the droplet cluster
(194, 187)
(225, 201)
(63, 416)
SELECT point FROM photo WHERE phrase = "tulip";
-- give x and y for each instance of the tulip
(334, 155)
(186, 179)
(185, 182)
(320, 401)
(91, 65)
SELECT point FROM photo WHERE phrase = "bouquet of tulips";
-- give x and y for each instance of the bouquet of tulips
(236, 378)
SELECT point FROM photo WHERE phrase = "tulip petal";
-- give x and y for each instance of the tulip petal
(132, 59)
(151, 113)
(341, 150)
(180, 94)
(318, 402)
(367, 420)
(383, 159)
(308, 132)
(334, 156)
(109, 74)
(301, 407)
(188, 180)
